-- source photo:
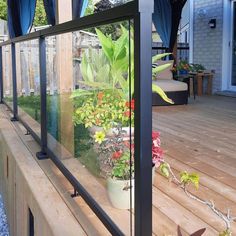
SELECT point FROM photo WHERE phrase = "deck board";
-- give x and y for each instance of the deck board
(199, 137)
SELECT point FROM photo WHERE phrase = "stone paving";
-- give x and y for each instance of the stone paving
(3, 220)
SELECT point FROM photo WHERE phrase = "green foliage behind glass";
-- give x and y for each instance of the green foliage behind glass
(40, 14)
(3, 9)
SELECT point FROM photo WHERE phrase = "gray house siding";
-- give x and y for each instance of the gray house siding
(207, 42)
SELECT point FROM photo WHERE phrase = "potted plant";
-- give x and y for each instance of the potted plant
(183, 68)
(116, 157)
(197, 68)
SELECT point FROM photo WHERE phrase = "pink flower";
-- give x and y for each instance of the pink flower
(156, 142)
(155, 135)
(157, 152)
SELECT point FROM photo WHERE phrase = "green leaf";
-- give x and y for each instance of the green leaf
(120, 50)
(159, 56)
(226, 233)
(103, 74)
(121, 64)
(187, 178)
(161, 68)
(107, 44)
(158, 90)
(165, 170)
(97, 85)
(80, 92)
(90, 75)
(83, 67)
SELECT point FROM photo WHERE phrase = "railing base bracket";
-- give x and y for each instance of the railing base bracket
(75, 194)
(41, 155)
(14, 119)
(27, 132)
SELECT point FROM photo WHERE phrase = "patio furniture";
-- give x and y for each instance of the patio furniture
(187, 79)
(175, 90)
(200, 77)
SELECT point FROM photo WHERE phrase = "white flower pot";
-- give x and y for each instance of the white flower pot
(119, 193)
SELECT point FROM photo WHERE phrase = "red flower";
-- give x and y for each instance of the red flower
(130, 104)
(117, 155)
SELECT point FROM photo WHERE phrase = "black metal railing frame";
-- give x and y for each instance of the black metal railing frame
(140, 12)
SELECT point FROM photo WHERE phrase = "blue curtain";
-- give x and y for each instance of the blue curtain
(20, 16)
(162, 18)
(79, 8)
(50, 7)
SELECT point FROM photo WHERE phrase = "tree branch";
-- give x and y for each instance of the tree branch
(227, 218)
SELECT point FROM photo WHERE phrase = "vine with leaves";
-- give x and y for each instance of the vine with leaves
(187, 179)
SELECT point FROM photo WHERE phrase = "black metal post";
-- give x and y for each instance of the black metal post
(1, 78)
(141, 12)
(143, 118)
(43, 95)
(14, 83)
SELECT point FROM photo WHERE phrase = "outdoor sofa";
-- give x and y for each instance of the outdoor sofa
(175, 90)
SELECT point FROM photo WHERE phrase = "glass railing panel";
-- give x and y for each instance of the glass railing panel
(94, 7)
(28, 83)
(7, 75)
(90, 113)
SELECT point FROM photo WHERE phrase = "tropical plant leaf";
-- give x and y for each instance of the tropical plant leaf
(80, 92)
(120, 51)
(103, 74)
(90, 75)
(120, 65)
(158, 90)
(98, 85)
(161, 68)
(159, 56)
(83, 67)
(107, 44)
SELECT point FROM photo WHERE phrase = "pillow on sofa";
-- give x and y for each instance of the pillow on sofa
(167, 73)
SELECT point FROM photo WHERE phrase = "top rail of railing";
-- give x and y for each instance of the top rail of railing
(119, 13)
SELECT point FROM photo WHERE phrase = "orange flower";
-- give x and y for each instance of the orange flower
(100, 95)
(98, 122)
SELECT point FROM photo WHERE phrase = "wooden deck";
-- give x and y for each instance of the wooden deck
(199, 137)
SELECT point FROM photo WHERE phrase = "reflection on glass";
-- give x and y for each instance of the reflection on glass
(91, 6)
(7, 75)
(28, 83)
(91, 113)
